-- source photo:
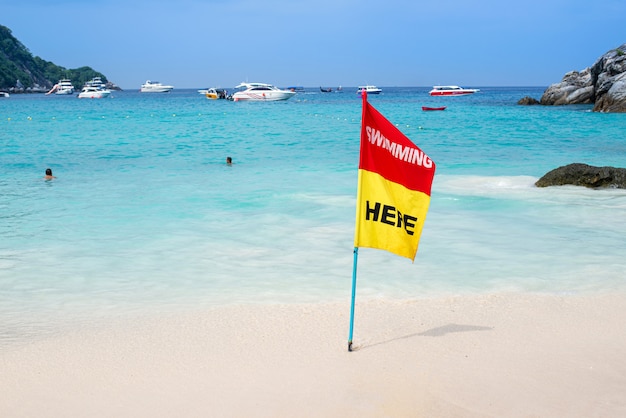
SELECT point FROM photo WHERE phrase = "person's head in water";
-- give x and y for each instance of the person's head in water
(229, 161)
(49, 175)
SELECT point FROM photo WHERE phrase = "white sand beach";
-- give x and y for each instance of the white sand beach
(499, 355)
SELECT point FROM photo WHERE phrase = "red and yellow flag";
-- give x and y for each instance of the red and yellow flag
(395, 178)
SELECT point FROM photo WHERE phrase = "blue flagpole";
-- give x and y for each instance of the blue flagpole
(356, 255)
(356, 248)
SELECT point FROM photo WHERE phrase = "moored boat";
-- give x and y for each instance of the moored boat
(369, 89)
(63, 87)
(92, 92)
(155, 87)
(428, 108)
(95, 82)
(215, 93)
(261, 92)
(451, 91)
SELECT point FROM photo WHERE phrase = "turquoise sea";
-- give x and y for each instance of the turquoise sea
(145, 216)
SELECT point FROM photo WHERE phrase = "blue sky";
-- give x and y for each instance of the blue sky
(202, 43)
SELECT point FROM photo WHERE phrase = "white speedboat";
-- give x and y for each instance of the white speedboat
(261, 92)
(451, 91)
(4, 94)
(92, 92)
(155, 87)
(369, 90)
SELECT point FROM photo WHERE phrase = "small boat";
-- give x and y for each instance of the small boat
(214, 93)
(451, 91)
(4, 94)
(328, 90)
(63, 87)
(92, 92)
(369, 90)
(261, 92)
(155, 87)
(427, 108)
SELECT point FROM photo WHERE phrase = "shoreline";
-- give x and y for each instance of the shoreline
(502, 354)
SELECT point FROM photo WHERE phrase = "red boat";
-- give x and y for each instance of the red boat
(451, 91)
(433, 108)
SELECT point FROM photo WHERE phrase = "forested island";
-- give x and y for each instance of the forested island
(21, 72)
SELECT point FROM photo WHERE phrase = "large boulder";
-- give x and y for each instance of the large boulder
(579, 174)
(603, 84)
(575, 88)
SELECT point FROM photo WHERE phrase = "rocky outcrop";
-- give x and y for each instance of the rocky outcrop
(615, 98)
(603, 84)
(527, 101)
(579, 174)
(575, 88)
(112, 86)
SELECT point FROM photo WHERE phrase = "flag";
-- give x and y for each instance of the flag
(394, 183)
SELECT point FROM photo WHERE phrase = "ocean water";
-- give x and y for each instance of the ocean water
(145, 216)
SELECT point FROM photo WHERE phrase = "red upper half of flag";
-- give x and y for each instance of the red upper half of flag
(387, 151)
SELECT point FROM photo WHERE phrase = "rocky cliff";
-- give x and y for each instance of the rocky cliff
(603, 84)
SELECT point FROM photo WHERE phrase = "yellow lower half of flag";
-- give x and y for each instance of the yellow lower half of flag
(388, 215)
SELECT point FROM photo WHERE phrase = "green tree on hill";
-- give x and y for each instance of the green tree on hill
(17, 63)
